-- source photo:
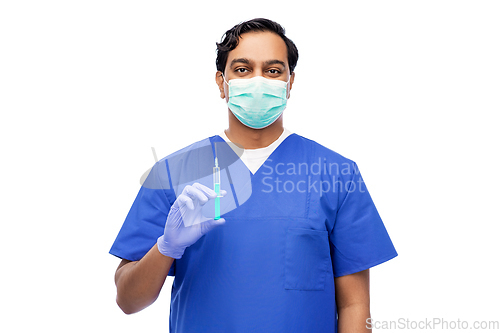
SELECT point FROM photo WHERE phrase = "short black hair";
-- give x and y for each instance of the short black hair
(230, 40)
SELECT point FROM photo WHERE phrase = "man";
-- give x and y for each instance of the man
(298, 231)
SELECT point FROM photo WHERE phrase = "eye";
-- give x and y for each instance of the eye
(240, 70)
(274, 71)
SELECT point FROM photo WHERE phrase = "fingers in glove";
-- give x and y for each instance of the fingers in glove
(210, 224)
(196, 194)
(184, 200)
(209, 193)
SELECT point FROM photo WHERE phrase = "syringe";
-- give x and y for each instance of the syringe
(217, 189)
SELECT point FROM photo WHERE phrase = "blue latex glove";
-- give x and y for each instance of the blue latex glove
(185, 221)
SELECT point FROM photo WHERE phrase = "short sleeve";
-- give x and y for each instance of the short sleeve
(359, 239)
(146, 219)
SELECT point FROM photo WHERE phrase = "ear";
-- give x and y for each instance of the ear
(292, 78)
(219, 79)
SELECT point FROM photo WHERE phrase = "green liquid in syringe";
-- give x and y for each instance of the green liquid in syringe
(217, 201)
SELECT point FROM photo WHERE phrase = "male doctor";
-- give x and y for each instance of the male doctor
(294, 255)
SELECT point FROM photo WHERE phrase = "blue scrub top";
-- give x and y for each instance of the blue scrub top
(302, 219)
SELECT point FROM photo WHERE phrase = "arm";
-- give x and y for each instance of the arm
(353, 302)
(139, 283)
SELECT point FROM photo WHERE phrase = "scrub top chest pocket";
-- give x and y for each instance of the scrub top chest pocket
(307, 259)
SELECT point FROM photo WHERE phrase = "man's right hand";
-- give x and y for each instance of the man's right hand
(185, 222)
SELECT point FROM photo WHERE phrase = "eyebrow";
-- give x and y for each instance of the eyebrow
(274, 62)
(248, 62)
(241, 60)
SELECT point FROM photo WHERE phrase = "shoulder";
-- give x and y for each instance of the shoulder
(320, 150)
(191, 150)
(165, 173)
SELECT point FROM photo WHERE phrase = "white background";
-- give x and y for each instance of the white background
(407, 89)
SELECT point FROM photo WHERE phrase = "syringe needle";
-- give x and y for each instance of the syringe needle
(217, 189)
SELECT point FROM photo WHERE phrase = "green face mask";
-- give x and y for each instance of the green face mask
(257, 102)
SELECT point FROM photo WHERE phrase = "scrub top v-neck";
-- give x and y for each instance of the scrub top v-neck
(302, 219)
(254, 158)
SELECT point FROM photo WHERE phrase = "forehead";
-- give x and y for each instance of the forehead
(259, 47)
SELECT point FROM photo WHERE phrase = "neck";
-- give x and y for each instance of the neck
(250, 138)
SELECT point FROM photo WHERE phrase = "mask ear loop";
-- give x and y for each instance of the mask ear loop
(288, 86)
(225, 79)
(290, 78)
